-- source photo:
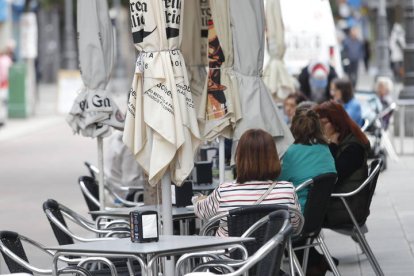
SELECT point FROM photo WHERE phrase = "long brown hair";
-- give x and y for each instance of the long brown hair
(340, 120)
(306, 128)
(256, 157)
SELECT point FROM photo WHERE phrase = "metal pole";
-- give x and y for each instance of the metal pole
(408, 90)
(222, 165)
(69, 54)
(382, 41)
(101, 174)
(167, 225)
(119, 64)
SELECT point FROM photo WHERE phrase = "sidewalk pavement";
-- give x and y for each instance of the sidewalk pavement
(37, 165)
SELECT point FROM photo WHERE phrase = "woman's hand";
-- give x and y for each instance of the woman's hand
(333, 138)
(197, 198)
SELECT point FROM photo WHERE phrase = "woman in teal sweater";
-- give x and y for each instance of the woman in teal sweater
(309, 155)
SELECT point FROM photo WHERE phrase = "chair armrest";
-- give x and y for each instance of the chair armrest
(119, 234)
(210, 223)
(116, 224)
(303, 185)
(214, 254)
(213, 265)
(74, 269)
(106, 261)
(22, 262)
(362, 186)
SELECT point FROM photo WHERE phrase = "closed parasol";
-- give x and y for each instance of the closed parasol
(257, 106)
(276, 76)
(94, 112)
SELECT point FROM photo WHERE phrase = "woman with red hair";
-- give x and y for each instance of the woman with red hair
(349, 147)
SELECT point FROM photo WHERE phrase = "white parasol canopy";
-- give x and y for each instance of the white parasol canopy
(257, 106)
(276, 76)
(93, 111)
(160, 126)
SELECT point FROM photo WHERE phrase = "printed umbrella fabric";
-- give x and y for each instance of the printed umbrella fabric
(258, 108)
(194, 45)
(160, 126)
(220, 106)
(93, 111)
(275, 76)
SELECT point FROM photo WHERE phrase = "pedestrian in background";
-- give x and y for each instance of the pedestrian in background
(397, 45)
(343, 93)
(314, 80)
(353, 52)
(383, 88)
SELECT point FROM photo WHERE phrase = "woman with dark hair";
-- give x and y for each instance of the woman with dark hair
(257, 166)
(309, 155)
(349, 147)
(343, 93)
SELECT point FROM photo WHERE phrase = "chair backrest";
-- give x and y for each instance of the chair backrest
(202, 172)
(240, 219)
(54, 208)
(11, 241)
(183, 194)
(317, 203)
(270, 264)
(374, 171)
(90, 191)
(93, 171)
(268, 257)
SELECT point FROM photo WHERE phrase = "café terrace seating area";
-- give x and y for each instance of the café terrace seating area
(261, 238)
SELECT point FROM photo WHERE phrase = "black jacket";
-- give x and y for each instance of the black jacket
(303, 79)
(351, 164)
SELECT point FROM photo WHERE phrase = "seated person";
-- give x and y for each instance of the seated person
(383, 88)
(290, 104)
(309, 155)
(342, 92)
(256, 147)
(349, 147)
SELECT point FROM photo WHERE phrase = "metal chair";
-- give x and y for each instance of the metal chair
(138, 194)
(55, 213)
(268, 256)
(90, 190)
(317, 203)
(11, 247)
(356, 229)
(244, 221)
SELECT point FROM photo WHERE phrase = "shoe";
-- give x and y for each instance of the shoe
(317, 270)
(336, 261)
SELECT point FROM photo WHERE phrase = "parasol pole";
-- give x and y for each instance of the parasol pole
(167, 225)
(221, 160)
(101, 174)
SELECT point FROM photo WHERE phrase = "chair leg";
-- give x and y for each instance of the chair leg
(368, 252)
(294, 263)
(363, 242)
(327, 255)
(306, 255)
